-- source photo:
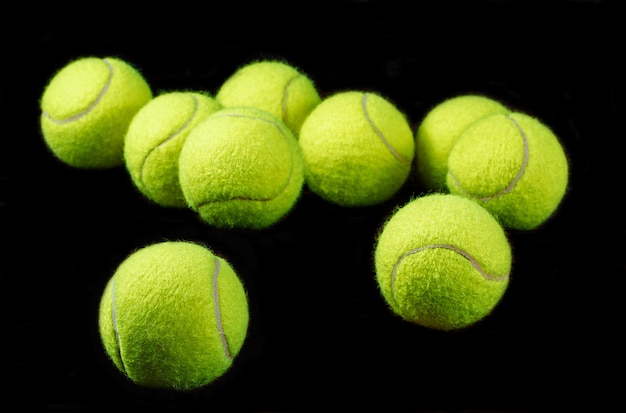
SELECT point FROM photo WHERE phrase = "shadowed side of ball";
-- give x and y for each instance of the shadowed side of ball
(513, 165)
(173, 316)
(155, 138)
(358, 149)
(439, 131)
(87, 107)
(274, 86)
(442, 261)
(241, 168)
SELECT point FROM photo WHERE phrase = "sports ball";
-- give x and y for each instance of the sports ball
(442, 261)
(439, 130)
(513, 165)
(173, 316)
(358, 149)
(86, 108)
(241, 168)
(275, 86)
(154, 140)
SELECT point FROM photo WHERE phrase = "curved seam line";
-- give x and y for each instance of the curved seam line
(453, 248)
(218, 311)
(380, 134)
(515, 179)
(283, 190)
(286, 95)
(168, 138)
(114, 321)
(93, 104)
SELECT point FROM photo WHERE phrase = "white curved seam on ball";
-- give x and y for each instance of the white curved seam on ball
(240, 198)
(169, 138)
(114, 321)
(514, 181)
(93, 104)
(450, 247)
(380, 133)
(218, 310)
(286, 96)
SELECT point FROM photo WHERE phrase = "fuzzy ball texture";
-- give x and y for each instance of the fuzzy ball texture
(241, 168)
(154, 140)
(440, 129)
(442, 261)
(86, 109)
(274, 86)
(358, 149)
(513, 165)
(174, 316)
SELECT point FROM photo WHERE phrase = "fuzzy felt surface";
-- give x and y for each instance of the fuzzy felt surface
(439, 130)
(241, 168)
(274, 86)
(87, 107)
(358, 149)
(513, 165)
(173, 315)
(442, 261)
(154, 140)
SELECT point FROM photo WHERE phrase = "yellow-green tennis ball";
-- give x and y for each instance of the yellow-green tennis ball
(86, 109)
(439, 131)
(241, 168)
(154, 140)
(513, 165)
(358, 148)
(173, 316)
(274, 86)
(442, 261)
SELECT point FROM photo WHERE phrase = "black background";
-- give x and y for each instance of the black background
(320, 336)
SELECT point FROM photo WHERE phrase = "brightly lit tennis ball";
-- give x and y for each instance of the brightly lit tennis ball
(442, 261)
(358, 149)
(174, 315)
(241, 168)
(86, 109)
(513, 165)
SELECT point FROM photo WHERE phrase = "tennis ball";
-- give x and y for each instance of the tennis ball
(513, 165)
(358, 148)
(241, 168)
(274, 86)
(442, 261)
(86, 109)
(173, 316)
(154, 140)
(439, 131)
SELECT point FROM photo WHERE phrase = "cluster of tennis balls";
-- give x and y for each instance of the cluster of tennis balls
(174, 314)
(239, 158)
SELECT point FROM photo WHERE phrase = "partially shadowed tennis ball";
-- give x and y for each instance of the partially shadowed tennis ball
(154, 140)
(439, 130)
(513, 165)
(275, 86)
